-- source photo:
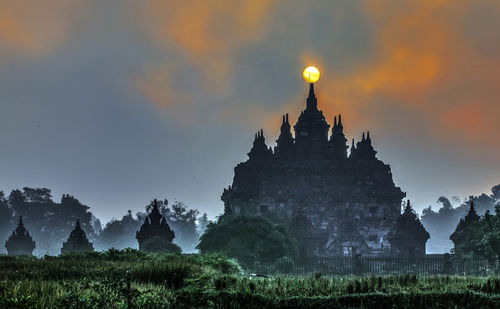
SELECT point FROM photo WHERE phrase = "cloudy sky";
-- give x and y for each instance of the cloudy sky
(117, 102)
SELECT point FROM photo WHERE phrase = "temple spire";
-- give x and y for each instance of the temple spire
(284, 143)
(77, 241)
(408, 206)
(20, 241)
(312, 102)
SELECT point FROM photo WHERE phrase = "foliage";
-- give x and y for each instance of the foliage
(6, 222)
(248, 239)
(489, 236)
(48, 222)
(119, 234)
(442, 223)
(98, 280)
(466, 236)
(481, 239)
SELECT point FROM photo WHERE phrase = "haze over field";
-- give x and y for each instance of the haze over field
(117, 102)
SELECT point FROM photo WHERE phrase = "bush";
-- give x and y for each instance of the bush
(248, 239)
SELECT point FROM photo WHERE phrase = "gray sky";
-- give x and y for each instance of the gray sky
(119, 102)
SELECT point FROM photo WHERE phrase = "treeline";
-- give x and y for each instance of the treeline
(50, 222)
(442, 223)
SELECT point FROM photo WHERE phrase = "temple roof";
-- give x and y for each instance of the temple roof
(259, 149)
(77, 241)
(20, 241)
(155, 225)
(408, 226)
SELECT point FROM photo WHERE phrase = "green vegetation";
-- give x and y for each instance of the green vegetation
(159, 280)
(478, 237)
(248, 239)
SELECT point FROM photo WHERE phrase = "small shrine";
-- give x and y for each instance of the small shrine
(408, 237)
(20, 241)
(77, 241)
(155, 233)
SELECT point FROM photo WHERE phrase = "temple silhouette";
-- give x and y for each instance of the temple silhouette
(155, 234)
(20, 241)
(335, 202)
(408, 236)
(77, 241)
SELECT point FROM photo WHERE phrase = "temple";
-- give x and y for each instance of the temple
(155, 233)
(77, 241)
(408, 236)
(339, 202)
(20, 241)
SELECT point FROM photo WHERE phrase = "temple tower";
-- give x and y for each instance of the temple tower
(309, 184)
(155, 233)
(338, 141)
(20, 241)
(285, 142)
(311, 129)
(259, 150)
(408, 236)
(77, 241)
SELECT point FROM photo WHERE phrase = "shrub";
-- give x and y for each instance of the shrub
(248, 239)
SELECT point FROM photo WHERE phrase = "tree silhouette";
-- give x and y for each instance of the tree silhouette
(120, 234)
(49, 222)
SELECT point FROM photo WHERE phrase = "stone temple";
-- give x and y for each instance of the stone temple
(334, 202)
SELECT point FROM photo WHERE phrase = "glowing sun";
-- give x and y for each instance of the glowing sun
(311, 74)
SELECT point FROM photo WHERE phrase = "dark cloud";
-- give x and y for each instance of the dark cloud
(117, 102)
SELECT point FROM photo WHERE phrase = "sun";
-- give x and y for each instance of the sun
(311, 74)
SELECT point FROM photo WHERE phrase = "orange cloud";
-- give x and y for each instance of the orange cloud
(470, 120)
(424, 60)
(156, 85)
(37, 26)
(208, 33)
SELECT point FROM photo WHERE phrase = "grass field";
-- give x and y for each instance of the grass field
(99, 280)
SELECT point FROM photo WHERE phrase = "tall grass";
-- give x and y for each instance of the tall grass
(98, 280)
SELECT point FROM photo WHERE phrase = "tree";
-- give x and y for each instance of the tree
(489, 236)
(478, 237)
(49, 222)
(16, 198)
(202, 223)
(120, 234)
(37, 195)
(6, 223)
(466, 235)
(496, 192)
(249, 239)
(442, 224)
